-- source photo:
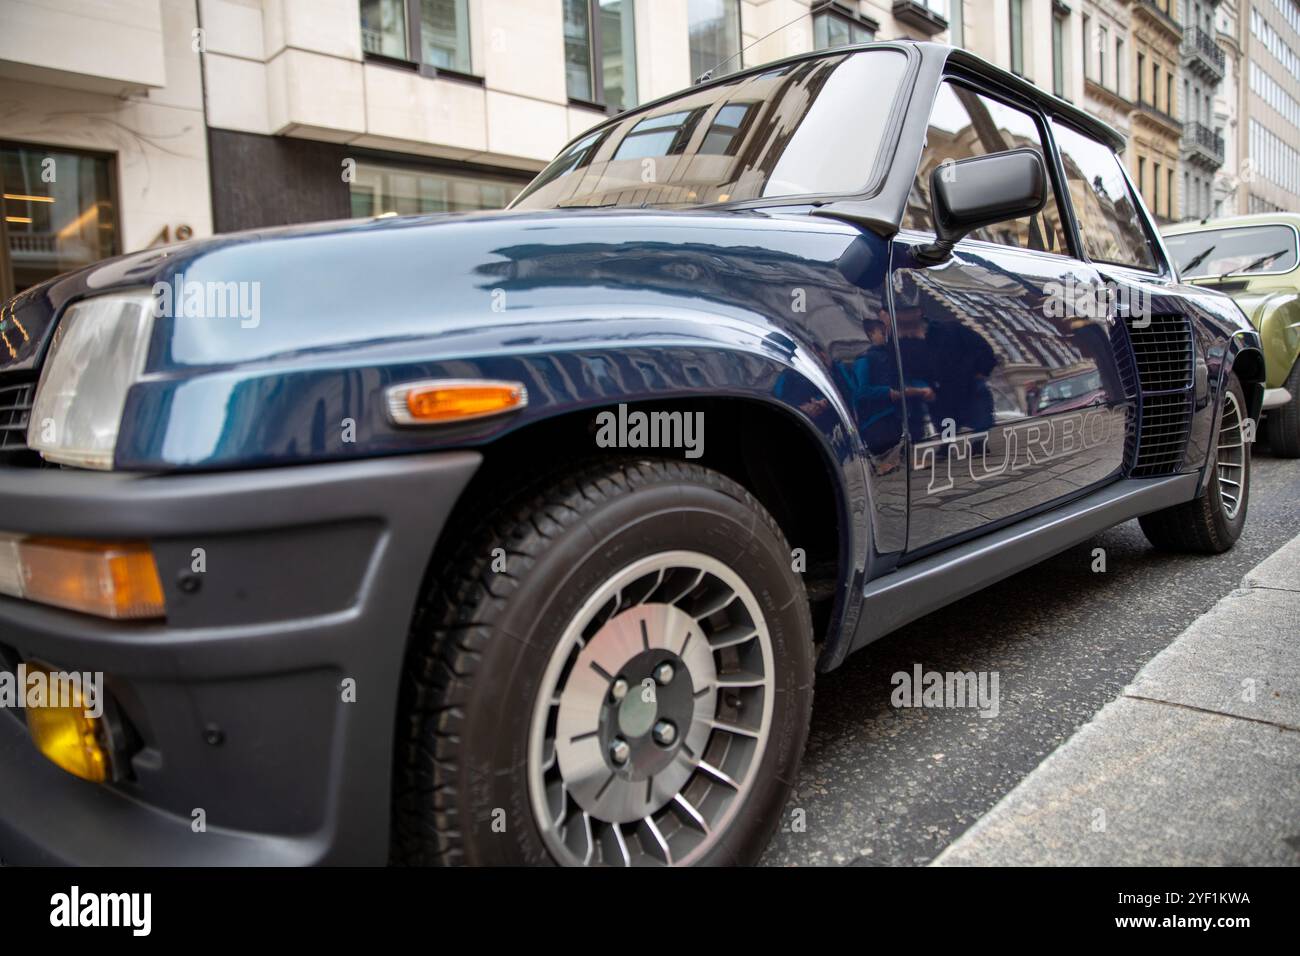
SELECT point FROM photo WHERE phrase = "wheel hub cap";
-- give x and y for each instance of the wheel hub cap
(653, 715)
(632, 646)
(1230, 460)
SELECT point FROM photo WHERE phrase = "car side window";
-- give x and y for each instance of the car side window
(1109, 220)
(964, 123)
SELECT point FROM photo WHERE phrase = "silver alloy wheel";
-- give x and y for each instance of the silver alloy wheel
(652, 716)
(1230, 461)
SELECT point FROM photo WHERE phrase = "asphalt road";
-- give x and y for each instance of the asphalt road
(885, 786)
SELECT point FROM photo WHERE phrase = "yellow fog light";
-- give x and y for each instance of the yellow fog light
(115, 579)
(446, 401)
(66, 735)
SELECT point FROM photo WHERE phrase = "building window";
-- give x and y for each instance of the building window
(1119, 66)
(1018, 37)
(383, 28)
(380, 188)
(600, 52)
(53, 225)
(1058, 55)
(1087, 46)
(832, 28)
(1169, 194)
(1142, 77)
(1155, 188)
(430, 33)
(714, 27)
(1103, 41)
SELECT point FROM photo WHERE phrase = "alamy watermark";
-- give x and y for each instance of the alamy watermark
(639, 429)
(36, 687)
(191, 299)
(73, 909)
(954, 690)
(1072, 299)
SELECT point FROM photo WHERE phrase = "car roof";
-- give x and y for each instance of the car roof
(969, 62)
(1227, 222)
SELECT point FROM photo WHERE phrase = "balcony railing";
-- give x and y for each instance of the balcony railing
(1200, 139)
(1203, 53)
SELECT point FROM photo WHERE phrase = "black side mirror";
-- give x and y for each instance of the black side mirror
(972, 193)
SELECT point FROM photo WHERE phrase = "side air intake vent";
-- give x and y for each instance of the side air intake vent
(1163, 354)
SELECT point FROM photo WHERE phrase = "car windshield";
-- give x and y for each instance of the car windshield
(1243, 249)
(811, 127)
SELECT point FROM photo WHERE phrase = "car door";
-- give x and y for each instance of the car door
(1013, 401)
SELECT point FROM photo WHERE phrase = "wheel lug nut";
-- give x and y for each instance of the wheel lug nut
(665, 733)
(619, 751)
(619, 689)
(664, 673)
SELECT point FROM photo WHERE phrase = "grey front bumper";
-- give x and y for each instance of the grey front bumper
(1275, 398)
(312, 574)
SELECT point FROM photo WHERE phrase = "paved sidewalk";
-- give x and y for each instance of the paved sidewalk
(1196, 763)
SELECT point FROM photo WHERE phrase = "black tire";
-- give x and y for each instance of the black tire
(1282, 424)
(1203, 525)
(481, 641)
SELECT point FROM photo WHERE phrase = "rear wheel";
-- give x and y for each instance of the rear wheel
(1212, 522)
(634, 686)
(1282, 424)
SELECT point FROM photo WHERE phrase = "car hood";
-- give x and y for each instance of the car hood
(267, 294)
(1255, 303)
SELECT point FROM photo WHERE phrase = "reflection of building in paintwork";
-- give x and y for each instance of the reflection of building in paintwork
(1030, 348)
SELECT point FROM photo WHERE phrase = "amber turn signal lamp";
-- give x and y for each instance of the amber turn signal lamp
(113, 579)
(444, 402)
(66, 735)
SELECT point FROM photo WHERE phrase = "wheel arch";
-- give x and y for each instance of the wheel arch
(1246, 360)
(800, 472)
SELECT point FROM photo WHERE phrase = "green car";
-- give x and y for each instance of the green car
(1256, 260)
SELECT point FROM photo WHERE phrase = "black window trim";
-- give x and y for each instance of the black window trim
(413, 62)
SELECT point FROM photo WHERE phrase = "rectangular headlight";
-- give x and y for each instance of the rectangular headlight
(97, 354)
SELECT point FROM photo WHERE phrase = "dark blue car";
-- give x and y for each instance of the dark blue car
(520, 537)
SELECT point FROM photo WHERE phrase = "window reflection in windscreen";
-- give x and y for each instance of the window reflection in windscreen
(811, 127)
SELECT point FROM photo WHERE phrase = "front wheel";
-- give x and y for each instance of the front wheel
(1212, 522)
(616, 671)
